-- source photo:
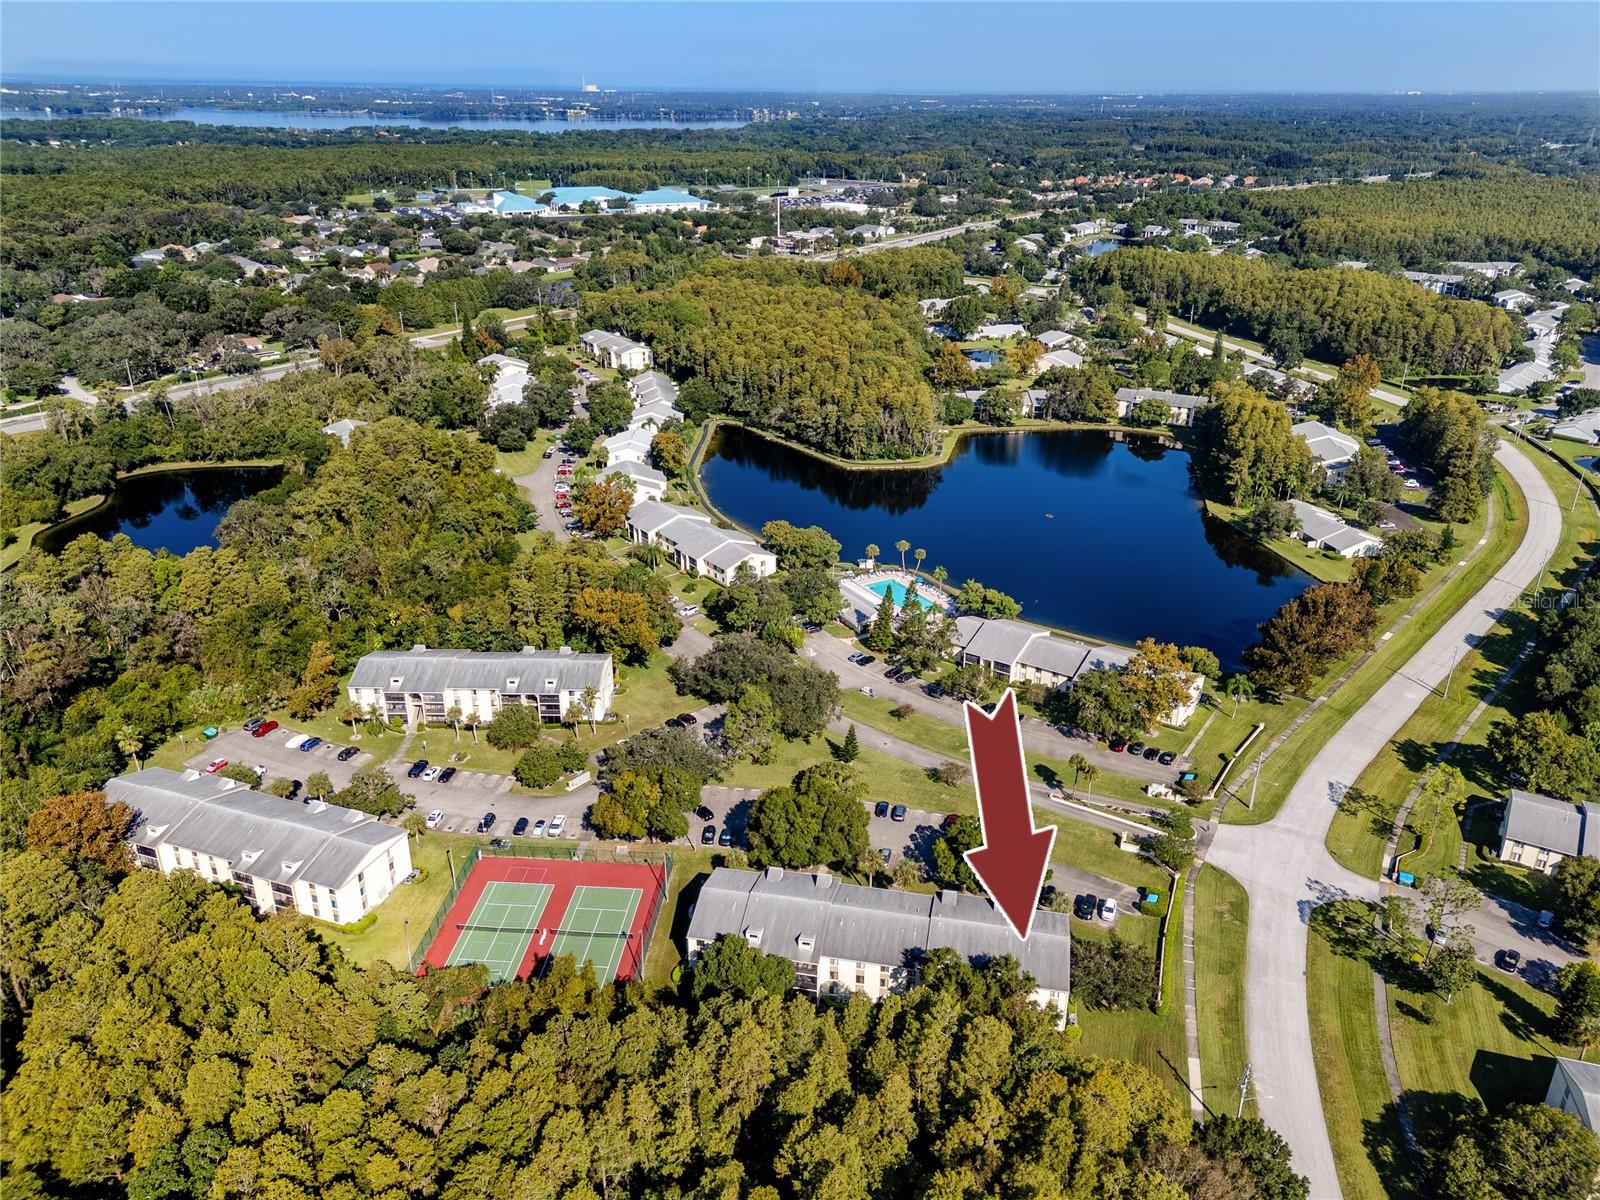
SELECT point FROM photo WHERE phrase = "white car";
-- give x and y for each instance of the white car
(294, 742)
(1412, 485)
(1108, 910)
(689, 610)
(538, 828)
(436, 818)
(261, 771)
(556, 825)
(430, 774)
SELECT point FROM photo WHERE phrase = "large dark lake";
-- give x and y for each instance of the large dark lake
(173, 510)
(1094, 534)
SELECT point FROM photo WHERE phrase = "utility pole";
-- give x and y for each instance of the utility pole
(1447, 679)
(1244, 1088)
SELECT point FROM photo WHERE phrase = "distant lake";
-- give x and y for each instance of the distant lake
(1102, 246)
(295, 119)
(173, 510)
(1097, 535)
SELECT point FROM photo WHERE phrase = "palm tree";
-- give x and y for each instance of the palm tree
(130, 741)
(454, 717)
(902, 545)
(872, 552)
(414, 824)
(940, 575)
(1089, 772)
(352, 714)
(1239, 688)
(573, 715)
(1079, 765)
(919, 554)
(590, 697)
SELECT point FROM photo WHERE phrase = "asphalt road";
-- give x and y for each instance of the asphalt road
(1286, 869)
(910, 239)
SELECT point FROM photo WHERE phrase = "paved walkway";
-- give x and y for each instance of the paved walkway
(1285, 868)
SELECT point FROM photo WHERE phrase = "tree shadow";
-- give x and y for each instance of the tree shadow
(1047, 775)
(1521, 1017)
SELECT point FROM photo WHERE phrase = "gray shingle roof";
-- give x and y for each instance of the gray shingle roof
(261, 835)
(1582, 1081)
(636, 472)
(1171, 399)
(1551, 824)
(1000, 640)
(422, 670)
(652, 516)
(872, 925)
(1326, 443)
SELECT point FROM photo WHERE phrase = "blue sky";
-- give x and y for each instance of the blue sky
(1183, 46)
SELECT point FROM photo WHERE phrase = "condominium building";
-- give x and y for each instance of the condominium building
(693, 543)
(423, 686)
(328, 862)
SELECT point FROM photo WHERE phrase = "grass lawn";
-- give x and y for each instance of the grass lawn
(1094, 848)
(1154, 1040)
(1394, 649)
(886, 778)
(1355, 1094)
(1358, 836)
(1492, 1042)
(1323, 565)
(410, 908)
(1221, 921)
(26, 533)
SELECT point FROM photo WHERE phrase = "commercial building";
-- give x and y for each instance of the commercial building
(1539, 831)
(843, 938)
(693, 543)
(328, 862)
(615, 351)
(423, 686)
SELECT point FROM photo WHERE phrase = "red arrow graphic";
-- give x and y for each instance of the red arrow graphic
(1011, 861)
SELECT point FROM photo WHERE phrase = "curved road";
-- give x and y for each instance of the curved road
(1285, 867)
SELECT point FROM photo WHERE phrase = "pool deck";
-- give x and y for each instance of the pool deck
(857, 594)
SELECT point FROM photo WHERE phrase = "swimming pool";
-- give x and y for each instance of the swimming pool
(898, 590)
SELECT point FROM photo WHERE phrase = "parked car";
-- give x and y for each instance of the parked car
(486, 822)
(446, 775)
(311, 743)
(704, 813)
(1508, 960)
(687, 719)
(1084, 906)
(881, 809)
(863, 660)
(708, 835)
(949, 821)
(1412, 485)
(215, 765)
(430, 775)
(520, 828)
(417, 768)
(689, 610)
(884, 855)
(261, 771)
(538, 827)
(1168, 757)
(1108, 909)
(254, 723)
(1152, 753)
(348, 753)
(1136, 749)
(725, 838)
(897, 813)
(557, 824)
(263, 729)
(1118, 745)
(296, 741)
(499, 843)
(548, 452)
(435, 818)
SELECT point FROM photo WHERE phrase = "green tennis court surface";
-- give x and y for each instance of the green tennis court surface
(500, 926)
(595, 927)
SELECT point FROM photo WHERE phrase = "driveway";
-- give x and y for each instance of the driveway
(1286, 869)
(1039, 739)
(540, 486)
(1501, 924)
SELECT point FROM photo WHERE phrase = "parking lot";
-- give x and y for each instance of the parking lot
(281, 762)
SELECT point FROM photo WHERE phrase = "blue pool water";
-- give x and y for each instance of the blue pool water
(898, 590)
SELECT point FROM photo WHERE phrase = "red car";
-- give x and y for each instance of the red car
(215, 765)
(264, 728)
(1118, 745)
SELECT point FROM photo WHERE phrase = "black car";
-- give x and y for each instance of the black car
(499, 843)
(897, 813)
(486, 823)
(520, 828)
(1152, 753)
(708, 835)
(704, 813)
(725, 838)
(1508, 960)
(1168, 757)
(1083, 907)
(446, 775)
(417, 768)
(348, 753)
(881, 809)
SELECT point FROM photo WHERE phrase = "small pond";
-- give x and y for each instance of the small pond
(172, 510)
(1089, 531)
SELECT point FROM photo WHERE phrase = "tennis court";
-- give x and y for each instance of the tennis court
(515, 915)
(497, 931)
(595, 927)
